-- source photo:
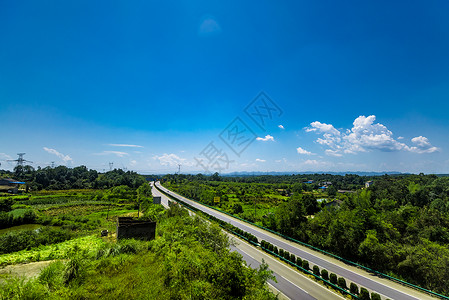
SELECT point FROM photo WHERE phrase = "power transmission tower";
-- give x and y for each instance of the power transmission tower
(111, 166)
(179, 169)
(20, 160)
(52, 164)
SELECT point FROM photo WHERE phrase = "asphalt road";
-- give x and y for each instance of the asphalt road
(290, 283)
(386, 288)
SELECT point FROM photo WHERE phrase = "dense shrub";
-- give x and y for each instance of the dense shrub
(364, 294)
(299, 261)
(342, 283)
(305, 264)
(324, 274)
(375, 296)
(333, 278)
(292, 258)
(281, 252)
(275, 250)
(287, 255)
(316, 270)
(16, 241)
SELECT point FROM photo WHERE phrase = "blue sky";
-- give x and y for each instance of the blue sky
(148, 85)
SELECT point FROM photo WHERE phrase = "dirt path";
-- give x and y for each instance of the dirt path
(28, 270)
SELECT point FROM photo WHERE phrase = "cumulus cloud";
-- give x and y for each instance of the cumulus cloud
(171, 160)
(422, 145)
(65, 158)
(132, 163)
(303, 151)
(281, 126)
(260, 160)
(117, 153)
(323, 128)
(266, 138)
(364, 136)
(125, 145)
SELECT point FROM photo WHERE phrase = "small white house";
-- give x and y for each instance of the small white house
(368, 183)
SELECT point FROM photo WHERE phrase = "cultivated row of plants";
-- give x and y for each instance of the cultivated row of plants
(323, 274)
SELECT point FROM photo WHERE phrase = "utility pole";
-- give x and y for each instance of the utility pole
(20, 160)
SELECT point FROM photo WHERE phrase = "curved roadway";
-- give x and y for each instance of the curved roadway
(290, 283)
(386, 288)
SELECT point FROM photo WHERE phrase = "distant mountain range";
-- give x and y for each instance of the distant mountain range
(360, 173)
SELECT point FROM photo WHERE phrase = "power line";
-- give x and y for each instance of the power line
(20, 160)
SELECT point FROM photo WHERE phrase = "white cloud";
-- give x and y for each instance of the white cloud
(209, 27)
(323, 128)
(65, 158)
(303, 151)
(132, 163)
(364, 136)
(422, 145)
(266, 138)
(260, 160)
(317, 163)
(332, 153)
(125, 145)
(171, 160)
(281, 126)
(117, 153)
(284, 160)
(4, 156)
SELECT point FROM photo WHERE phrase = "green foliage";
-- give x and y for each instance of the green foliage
(342, 283)
(353, 288)
(299, 261)
(316, 270)
(292, 258)
(189, 259)
(364, 294)
(62, 178)
(324, 274)
(333, 278)
(305, 264)
(21, 289)
(52, 276)
(375, 296)
(399, 225)
(237, 208)
(74, 271)
(6, 204)
(16, 241)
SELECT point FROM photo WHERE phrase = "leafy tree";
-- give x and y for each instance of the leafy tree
(143, 196)
(325, 274)
(353, 288)
(342, 283)
(364, 294)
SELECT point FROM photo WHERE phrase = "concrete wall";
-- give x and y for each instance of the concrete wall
(132, 228)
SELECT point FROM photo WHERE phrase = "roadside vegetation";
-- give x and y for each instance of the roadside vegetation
(398, 226)
(188, 259)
